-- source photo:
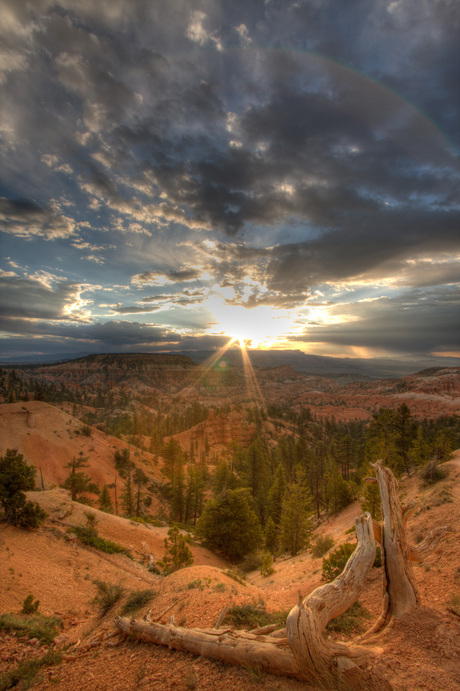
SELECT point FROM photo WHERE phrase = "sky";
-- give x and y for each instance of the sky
(178, 173)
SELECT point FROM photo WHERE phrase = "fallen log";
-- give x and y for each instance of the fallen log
(226, 645)
(305, 654)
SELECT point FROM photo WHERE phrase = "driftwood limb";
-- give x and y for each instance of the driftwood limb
(264, 630)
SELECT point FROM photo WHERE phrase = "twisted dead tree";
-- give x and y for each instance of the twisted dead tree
(400, 592)
(301, 650)
(329, 664)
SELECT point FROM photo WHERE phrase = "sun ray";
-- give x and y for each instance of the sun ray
(208, 366)
(252, 384)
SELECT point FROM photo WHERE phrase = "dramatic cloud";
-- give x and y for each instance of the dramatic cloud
(40, 298)
(25, 219)
(191, 158)
(431, 319)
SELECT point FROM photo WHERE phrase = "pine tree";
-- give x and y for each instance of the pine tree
(381, 438)
(140, 480)
(16, 478)
(173, 458)
(196, 485)
(255, 475)
(127, 495)
(405, 432)
(339, 492)
(276, 495)
(315, 469)
(420, 448)
(78, 482)
(295, 523)
(442, 447)
(272, 536)
(122, 461)
(372, 502)
(177, 554)
(105, 500)
(230, 525)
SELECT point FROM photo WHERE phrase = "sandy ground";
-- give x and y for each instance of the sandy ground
(419, 651)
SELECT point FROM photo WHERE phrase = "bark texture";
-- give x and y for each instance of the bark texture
(400, 589)
(329, 664)
(234, 647)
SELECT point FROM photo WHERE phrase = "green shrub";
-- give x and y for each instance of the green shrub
(29, 606)
(24, 675)
(252, 615)
(177, 554)
(107, 596)
(148, 520)
(136, 600)
(321, 545)
(236, 574)
(266, 567)
(378, 558)
(432, 473)
(251, 562)
(16, 478)
(351, 621)
(229, 524)
(197, 583)
(87, 536)
(334, 564)
(45, 629)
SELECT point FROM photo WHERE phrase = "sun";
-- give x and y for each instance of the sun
(258, 327)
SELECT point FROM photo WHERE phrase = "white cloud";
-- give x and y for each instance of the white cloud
(197, 33)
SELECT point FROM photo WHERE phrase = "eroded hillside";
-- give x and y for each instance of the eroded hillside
(420, 651)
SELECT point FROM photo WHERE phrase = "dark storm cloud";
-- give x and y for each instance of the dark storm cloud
(416, 322)
(342, 143)
(184, 299)
(113, 333)
(33, 299)
(339, 257)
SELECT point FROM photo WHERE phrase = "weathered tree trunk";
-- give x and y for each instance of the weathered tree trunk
(305, 654)
(329, 664)
(234, 647)
(400, 592)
